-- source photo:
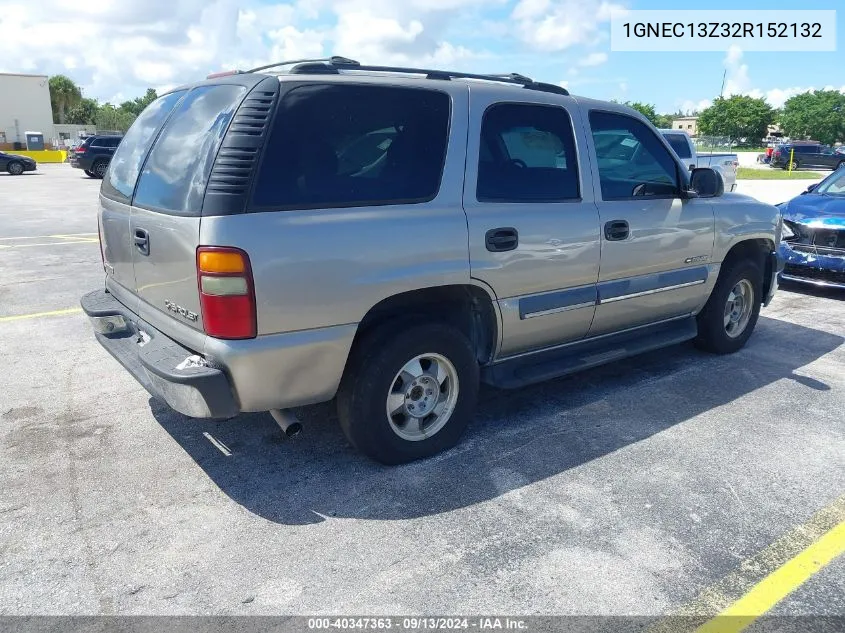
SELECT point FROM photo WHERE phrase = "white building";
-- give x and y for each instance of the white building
(688, 124)
(24, 107)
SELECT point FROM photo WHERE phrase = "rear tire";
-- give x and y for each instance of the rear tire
(841, 164)
(731, 312)
(15, 168)
(100, 168)
(428, 369)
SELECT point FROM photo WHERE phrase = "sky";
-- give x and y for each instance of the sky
(116, 49)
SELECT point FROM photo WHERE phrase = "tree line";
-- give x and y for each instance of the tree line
(69, 106)
(817, 115)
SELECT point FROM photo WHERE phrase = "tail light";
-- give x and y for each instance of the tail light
(80, 150)
(227, 296)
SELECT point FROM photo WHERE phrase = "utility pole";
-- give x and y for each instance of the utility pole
(724, 76)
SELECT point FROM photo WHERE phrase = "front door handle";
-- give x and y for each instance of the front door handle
(505, 238)
(616, 230)
(142, 241)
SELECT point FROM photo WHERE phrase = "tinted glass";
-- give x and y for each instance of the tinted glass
(632, 161)
(527, 155)
(834, 184)
(340, 146)
(174, 177)
(680, 144)
(128, 158)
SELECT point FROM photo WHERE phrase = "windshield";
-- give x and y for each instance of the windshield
(833, 185)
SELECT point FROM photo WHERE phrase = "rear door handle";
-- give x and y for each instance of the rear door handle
(505, 238)
(616, 230)
(142, 241)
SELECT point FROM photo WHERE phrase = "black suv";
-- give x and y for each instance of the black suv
(94, 154)
(806, 155)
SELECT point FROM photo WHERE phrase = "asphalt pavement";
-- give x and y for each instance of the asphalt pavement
(625, 490)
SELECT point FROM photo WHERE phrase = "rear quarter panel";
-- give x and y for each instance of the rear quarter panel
(327, 267)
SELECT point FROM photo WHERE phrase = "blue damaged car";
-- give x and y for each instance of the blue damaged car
(813, 239)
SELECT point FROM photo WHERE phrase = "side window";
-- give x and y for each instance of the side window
(174, 177)
(527, 154)
(113, 142)
(354, 145)
(632, 161)
(126, 162)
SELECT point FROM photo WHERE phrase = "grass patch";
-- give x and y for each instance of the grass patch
(749, 173)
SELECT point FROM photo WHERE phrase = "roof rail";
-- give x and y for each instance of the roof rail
(332, 61)
(335, 64)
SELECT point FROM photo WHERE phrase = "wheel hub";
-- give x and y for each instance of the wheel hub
(420, 398)
(738, 308)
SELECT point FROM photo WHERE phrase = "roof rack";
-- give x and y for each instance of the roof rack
(332, 65)
(331, 61)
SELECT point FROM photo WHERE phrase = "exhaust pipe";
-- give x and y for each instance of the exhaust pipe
(287, 421)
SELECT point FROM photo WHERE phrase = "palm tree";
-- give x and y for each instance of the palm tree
(64, 95)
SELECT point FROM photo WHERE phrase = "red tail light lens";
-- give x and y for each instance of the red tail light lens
(80, 149)
(227, 296)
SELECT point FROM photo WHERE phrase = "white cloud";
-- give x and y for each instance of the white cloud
(114, 48)
(556, 25)
(694, 106)
(593, 59)
(736, 78)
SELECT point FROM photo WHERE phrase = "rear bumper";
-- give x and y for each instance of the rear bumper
(157, 362)
(80, 163)
(272, 371)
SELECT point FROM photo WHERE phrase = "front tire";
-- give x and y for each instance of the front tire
(90, 173)
(731, 312)
(14, 168)
(841, 164)
(409, 394)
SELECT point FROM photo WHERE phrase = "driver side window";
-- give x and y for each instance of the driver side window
(632, 162)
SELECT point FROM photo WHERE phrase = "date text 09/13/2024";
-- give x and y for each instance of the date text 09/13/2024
(418, 623)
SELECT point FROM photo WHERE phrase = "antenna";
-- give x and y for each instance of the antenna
(722, 91)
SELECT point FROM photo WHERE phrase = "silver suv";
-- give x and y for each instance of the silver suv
(390, 237)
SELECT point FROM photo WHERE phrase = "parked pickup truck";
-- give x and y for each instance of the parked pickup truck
(724, 164)
(392, 237)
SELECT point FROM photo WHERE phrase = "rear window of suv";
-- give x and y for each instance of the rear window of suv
(354, 145)
(174, 176)
(127, 160)
(679, 144)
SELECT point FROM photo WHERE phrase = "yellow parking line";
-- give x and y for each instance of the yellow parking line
(41, 237)
(36, 315)
(779, 584)
(29, 245)
(760, 582)
(82, 236)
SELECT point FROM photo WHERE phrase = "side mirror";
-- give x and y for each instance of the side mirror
(706, 183)
(811, 188)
